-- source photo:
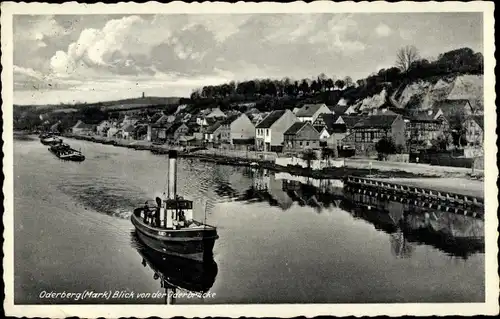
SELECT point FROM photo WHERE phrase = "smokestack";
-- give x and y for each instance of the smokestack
(172, 174)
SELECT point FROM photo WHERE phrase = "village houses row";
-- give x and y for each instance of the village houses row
(311, 126)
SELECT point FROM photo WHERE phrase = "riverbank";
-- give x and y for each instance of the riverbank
(354, 167)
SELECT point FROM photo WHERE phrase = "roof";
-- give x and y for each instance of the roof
(308, 110)
(319, 128)
(350, 121)
(451, 106)
(377, 121)
(230, 119)
(339, 109)
(269, 120)
(174, 127)
(128, 128)
(296, 127)
(329, 119)
(161, 120)
(212, 128)
(479, 119)
(423, 116)
(82, 125)
(337, 128)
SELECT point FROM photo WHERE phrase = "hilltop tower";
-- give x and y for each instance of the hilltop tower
(143, 95)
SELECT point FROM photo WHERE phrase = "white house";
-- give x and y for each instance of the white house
(310, 112)
(269, 133)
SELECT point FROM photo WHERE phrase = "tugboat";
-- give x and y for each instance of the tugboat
(170, 228)
(175, 273)
(65, 152)
(50, 140)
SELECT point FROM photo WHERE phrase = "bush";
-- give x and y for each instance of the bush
(384, 147)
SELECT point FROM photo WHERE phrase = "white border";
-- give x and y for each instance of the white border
(55, 311)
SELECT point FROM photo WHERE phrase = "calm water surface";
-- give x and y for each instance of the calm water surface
(73, 233)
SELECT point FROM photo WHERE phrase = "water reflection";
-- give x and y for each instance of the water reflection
(177, 274)
(407, 225)
(454, 234)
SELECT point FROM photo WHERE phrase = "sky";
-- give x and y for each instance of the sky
(89, 58)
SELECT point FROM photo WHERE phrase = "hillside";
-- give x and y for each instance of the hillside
(422, 94)
(107, 105)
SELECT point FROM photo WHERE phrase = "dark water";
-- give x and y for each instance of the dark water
(281, 241)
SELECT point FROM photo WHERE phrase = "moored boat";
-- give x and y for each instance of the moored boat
(51, 140)
(65, 152)
(169, 227)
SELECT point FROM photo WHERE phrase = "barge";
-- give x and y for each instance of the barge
(169, 227)
(50, 140)
(65, 152)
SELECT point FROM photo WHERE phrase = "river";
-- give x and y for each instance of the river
(72, 233)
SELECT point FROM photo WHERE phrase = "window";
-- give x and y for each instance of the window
(300, 143)
(307, 143)
(267, 132)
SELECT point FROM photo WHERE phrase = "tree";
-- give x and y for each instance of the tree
(309, 155)
(304, 87)
(327, 153)
(348, 81)
(406, 56)
(384, 147)
(339, 84)
(329, 84)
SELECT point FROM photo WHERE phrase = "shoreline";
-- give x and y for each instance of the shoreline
(327, 173)
(425, 175)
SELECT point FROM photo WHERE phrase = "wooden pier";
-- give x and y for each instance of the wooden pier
(428, 198)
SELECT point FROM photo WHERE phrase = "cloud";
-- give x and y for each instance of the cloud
(383, 30)
(71, 50)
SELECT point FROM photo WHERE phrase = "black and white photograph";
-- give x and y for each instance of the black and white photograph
(315, 158)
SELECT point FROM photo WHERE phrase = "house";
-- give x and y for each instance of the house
(474, 130)
(310, 112)
(82, 128)
(425, 126)
(126, 132)
(157, 133)
(337, 127)
(128, 119)
(112, 131)
(371, 129)
(103, 127)
(269, 132)
(176, 130)
(216, 113)
(164, 119)
(237, 127)
(213, 133)
(455, 111)
(301, 135)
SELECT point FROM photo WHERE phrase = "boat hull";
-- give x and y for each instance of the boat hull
(71, 157)
(195, 244)
(50, 142)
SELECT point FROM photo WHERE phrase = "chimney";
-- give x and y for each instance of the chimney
(172, 174)
(143, 95)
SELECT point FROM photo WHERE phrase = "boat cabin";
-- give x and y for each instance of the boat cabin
(169, 214)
